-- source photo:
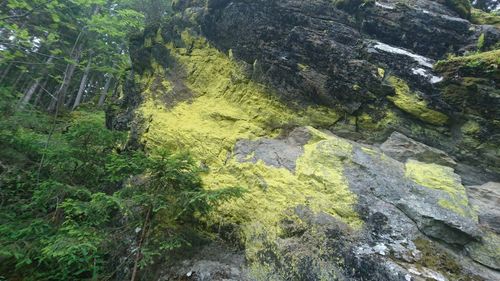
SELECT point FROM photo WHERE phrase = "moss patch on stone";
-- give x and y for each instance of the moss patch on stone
(487, 251)
(409, 102)
(226, 106)
(485, 64)
(444, 179)
(480, 17)
(437, 259)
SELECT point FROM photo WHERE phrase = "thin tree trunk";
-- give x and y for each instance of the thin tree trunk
(139, 246)
(104, 92)
(83, 84)
(40, 91)
(70, 97)
(68, 74)
(27, 97)
(18, 79)
(90, 89)
(31, 90)
(5, 72)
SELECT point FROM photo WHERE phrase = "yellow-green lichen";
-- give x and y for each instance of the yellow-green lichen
(409, 102)
(226, 107)
(381, 72)
(444, 179)
(368, 123)
(471, 128)
(303, 67)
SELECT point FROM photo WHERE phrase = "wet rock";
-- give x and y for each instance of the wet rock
(486, 201)
(402, 148)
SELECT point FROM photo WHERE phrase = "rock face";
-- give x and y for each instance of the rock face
(289, 99)
(486, 199)
(366, 59)
(402, 148)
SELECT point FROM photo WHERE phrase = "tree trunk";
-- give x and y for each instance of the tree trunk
(5, 72)
(68, 74)
(83, 84)
(18, 79)
(139, 246)
(104, 92)
(40, 91)
(90, 88)
(27, 97)
(31, 90)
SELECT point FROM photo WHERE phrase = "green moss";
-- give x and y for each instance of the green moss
(480, 42)
(302, 67)
(409, 102)
(381, 72)
(480, 17)
(366, 122)
(471, 128)
(438, 259)
(444, 179)
(159, 37)
(227, 107)
(485, 64)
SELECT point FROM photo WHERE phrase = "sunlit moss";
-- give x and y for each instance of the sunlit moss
(227, 107)
(444, 179)
(484, 64)
(381, 72)
(409, 102)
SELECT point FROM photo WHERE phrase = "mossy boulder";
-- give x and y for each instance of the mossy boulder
(268, 118)
(302, 186)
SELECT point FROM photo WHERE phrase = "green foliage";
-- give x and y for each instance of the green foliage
(462, 7)
(480, 42)
(481, 17)
(74, 214)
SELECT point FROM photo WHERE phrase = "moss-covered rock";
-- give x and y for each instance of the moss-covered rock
(487, 251)
(480, 17)
(437, 258)
(444, 179)
(411, 103)
(484, 65)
